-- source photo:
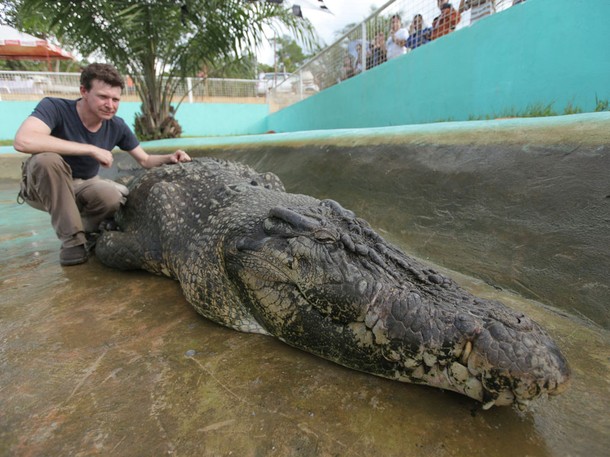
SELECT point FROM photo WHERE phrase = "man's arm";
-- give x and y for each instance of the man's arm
(34, 136)
(150, 161)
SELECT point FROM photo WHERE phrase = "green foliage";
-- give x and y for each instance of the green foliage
(9, 13)
(68, 66)
(290, 54)
(264, 68)
(533, 110)
(539, 110)
(571, 109)
(159, 43)
(601, 105)
(240, 67)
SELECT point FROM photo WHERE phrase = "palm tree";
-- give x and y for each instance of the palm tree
(158, 43)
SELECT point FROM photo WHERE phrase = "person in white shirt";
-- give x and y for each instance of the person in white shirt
(473, 10)
(395, 45)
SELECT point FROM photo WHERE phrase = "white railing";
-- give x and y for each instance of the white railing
(370, 43)
(24, 85)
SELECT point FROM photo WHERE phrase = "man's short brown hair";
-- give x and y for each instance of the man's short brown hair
(102, 72)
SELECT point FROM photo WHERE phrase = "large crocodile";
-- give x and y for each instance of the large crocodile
(255, 258)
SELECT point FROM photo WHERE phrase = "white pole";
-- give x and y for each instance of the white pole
(300, 84)
(189, 88)
(364, 46)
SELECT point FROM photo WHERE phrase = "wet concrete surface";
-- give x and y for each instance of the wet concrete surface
(95, 361)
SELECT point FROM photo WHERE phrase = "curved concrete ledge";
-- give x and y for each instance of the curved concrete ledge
(589, 128)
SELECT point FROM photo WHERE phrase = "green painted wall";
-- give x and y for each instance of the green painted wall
(538, 53)
(12, 114)
(212, 119)
(197, 119)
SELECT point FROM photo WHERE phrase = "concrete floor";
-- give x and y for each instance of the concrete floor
(101, 362)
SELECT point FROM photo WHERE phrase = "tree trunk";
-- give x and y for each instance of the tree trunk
(156, 121)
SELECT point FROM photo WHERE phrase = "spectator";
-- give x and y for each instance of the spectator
(419, 33)
(347, 71)
(473, 10)
(358, 66)
(445, 22)
(377, 54)
(395, 46)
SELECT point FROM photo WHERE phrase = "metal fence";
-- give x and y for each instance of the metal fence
(18, 85)
(396, 28)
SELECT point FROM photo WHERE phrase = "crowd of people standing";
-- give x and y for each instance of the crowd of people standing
(400, 40)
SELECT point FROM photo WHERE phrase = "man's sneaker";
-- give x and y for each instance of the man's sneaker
(74, 255)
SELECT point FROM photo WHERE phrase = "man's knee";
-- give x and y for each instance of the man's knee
(45, 177)
(102, 197)
(48, 163)
(112, 198)
(97, 202)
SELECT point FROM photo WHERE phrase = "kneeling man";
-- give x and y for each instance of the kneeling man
(68, 141)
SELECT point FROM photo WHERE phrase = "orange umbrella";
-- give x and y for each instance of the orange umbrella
(15, 45)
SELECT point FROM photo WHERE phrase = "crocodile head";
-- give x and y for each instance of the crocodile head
(322, 280)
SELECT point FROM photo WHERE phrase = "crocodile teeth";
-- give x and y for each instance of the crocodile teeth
(466, 352)
(459, 373)
(472, 365)
(523, 405)
(474, 388)
(489, 404)
(505, 397)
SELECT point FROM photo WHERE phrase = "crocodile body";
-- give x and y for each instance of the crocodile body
(252, 257)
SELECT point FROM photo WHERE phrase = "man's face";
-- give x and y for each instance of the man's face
(102, 100)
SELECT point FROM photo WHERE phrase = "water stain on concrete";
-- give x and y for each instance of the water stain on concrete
(95, 361)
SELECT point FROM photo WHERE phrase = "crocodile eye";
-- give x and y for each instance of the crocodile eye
(325, 236)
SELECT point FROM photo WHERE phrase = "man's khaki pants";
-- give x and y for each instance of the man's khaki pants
(76, 206)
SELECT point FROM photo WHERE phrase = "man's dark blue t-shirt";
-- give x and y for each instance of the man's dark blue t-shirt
(63, 120)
